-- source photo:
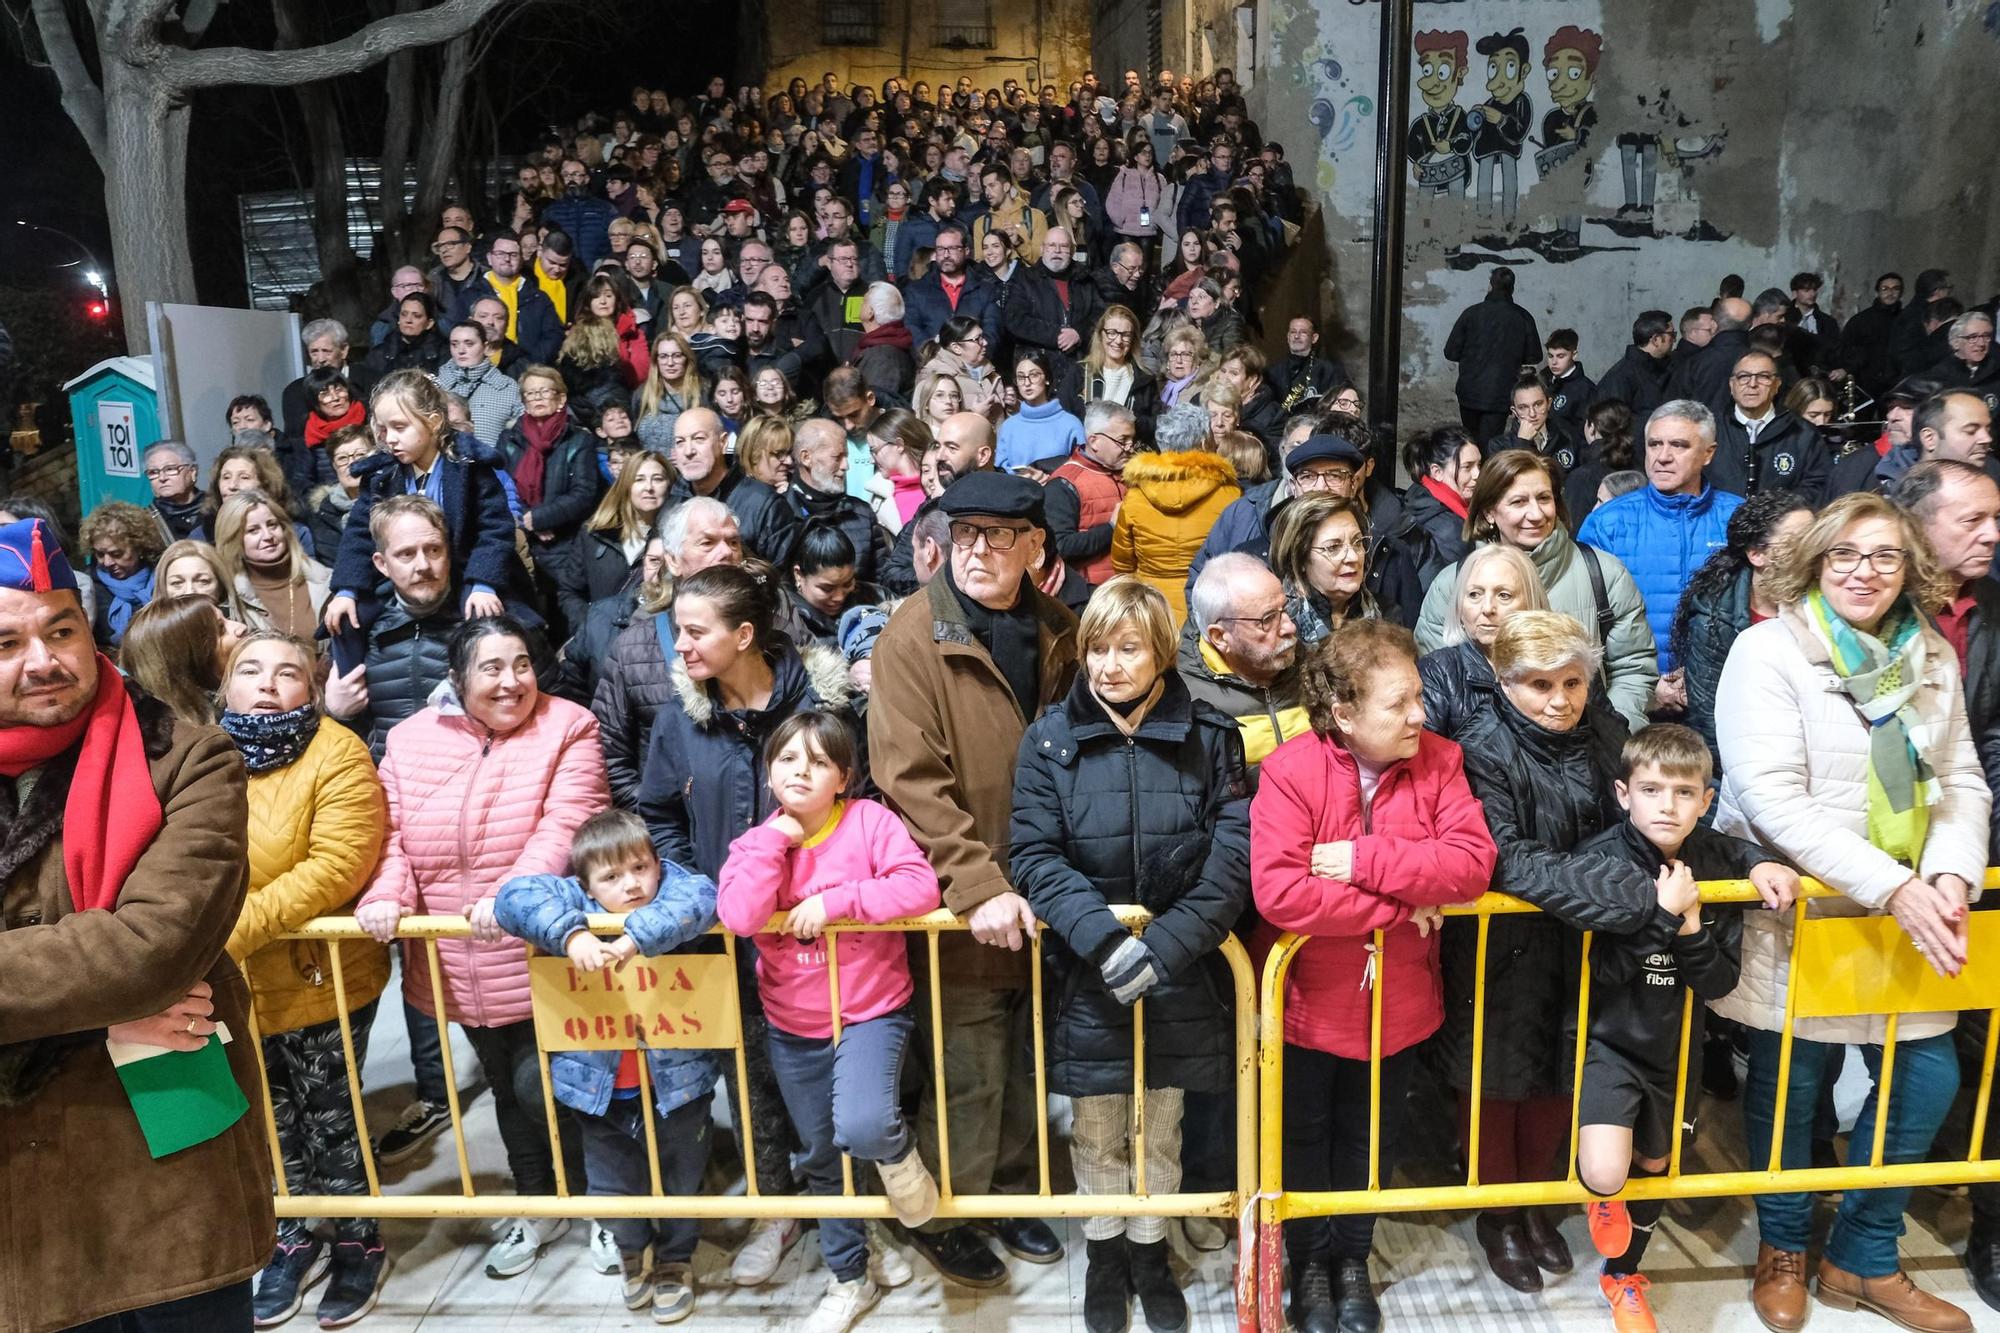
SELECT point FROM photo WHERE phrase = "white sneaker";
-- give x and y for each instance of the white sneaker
(764, 1251)
(887, 1265)
(603, 1248)
(843, 1303)
(912, 1192)
(1205, 1234)
(521, 1243)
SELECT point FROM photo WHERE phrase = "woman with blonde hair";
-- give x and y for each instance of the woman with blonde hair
(897, 442)
(673, 385)
(604, 350)
(686, 311)
(764, 451)
(1130, 792)
(243, 467)
(1492, 583)
(177, 650)
(191, 569)
(273, 583)
(940, 394)
(1320, 552)
(1225, 407)
(1110, 371)
(609, 546)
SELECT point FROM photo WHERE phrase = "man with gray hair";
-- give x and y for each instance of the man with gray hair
(883, 353)
(1082, 496)
(818, 494)
(1972, 365)
(172, 473)
(1664, 531)
(1238, 652)
(1052, 306)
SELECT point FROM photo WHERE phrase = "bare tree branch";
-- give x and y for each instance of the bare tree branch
(222, 66)
(81, 96)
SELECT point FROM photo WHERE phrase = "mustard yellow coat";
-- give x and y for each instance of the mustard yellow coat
(1171, 501)
(316, 829)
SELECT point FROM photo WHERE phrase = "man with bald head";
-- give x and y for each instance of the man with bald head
(1704, 376)
(818, 494)
(1758, 445)
(1047, 309)
(767, 524)
(965, 444)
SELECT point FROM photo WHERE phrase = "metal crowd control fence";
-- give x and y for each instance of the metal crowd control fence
(1839, 966)
(468, 1203)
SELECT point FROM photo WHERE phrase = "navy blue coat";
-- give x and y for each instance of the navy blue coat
(1161, 821)
(925, 308)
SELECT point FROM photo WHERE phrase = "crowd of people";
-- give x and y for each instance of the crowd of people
(822, 508)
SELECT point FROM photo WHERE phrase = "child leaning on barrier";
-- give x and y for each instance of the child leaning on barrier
(821, 858)
(667, 909)
(1625, 1113)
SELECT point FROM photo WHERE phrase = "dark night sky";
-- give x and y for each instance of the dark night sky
(241, 140)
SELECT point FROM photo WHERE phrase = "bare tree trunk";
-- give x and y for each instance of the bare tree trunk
(145, 188)
(440, 142)
(398, 130)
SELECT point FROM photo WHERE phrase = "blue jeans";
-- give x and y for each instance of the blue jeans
(1870, 1222)
(845, 1100)
(614, 1154)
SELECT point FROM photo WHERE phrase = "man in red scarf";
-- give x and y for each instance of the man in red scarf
(122, 871)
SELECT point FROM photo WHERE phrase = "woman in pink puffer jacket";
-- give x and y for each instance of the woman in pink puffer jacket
(489, 782)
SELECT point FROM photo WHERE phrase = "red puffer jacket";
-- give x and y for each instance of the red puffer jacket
(1422, 842)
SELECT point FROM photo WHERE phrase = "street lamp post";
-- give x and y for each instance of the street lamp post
(94, 275)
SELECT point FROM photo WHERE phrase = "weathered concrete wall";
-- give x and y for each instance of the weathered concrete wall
(1841, 136)
(1035, 41)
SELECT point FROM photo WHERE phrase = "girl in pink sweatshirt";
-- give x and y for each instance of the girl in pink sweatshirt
(819, 859)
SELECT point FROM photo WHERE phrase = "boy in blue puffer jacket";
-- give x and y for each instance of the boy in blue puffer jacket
(667, 909)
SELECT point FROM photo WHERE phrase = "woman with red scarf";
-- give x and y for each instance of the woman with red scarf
(334, 407)
(1445, 464)
(553, 461)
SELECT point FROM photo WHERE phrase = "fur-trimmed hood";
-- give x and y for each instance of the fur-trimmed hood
(1178, 482)
(800, 677)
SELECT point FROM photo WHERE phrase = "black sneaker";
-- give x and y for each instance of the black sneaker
(959, 1254)
(355, 1285)
(281, 1288)
(418, 1122)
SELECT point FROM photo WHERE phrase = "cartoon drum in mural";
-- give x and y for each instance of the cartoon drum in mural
(1440, 141)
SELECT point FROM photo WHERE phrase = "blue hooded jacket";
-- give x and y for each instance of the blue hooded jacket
(545, 910)
(1662, 540)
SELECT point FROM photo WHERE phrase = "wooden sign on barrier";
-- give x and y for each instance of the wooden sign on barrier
(675, 1001)
(1855, 965)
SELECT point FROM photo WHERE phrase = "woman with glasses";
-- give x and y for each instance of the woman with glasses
(1110, 371)
(1319, 551)
(1042, 427)
(965, 354)
(1518, 501)
(673, 385)
(1185, 363)
(1842, 729)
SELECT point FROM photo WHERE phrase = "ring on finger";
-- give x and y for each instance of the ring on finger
(191, 1025)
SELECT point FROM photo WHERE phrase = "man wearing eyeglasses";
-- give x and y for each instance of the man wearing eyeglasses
(1972, 365)
(584, 217)
(531, 317)
(1123, 281)
(953, 286)
(1758, 445)
(960, 670)
(456, 281)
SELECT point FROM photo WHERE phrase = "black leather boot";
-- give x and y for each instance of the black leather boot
(1355, 1308)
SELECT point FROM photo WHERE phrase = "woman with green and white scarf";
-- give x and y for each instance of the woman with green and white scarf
(1845, 748)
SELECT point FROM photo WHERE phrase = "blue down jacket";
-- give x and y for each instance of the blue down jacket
(1661, 540)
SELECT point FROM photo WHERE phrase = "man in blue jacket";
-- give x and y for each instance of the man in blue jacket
(1666, 529)
(584, 217)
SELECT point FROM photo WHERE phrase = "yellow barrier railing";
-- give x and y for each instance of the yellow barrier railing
(468, 1203)
(1894, 984)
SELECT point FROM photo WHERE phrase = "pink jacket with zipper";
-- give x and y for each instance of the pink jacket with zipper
(870, 870)
(469, 811)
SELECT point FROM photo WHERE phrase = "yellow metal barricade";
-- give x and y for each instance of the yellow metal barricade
(562, 1031)
(1839, 966)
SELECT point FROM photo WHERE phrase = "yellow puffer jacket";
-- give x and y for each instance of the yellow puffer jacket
(1171, 502)
(316, 828)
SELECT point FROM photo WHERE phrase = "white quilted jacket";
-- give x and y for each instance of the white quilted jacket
(1794, 778)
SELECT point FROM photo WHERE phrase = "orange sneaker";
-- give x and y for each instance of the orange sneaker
(1630, 1311)
(1610, 1226)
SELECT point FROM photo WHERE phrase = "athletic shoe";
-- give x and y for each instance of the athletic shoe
(416, 1124)
(522, 1240)
(843, 1304)
(1630, 1310)
(282, 1286)
(888, 1267)
(604, 1256)
(912, 1191)
(1610, 1226)
(635, 1275)
(673, 1293)
(355, 1283)
(764, 1251)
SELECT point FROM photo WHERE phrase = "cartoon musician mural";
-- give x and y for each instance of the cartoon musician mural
(1503, 121)
(1570, 56)
(1439, 144)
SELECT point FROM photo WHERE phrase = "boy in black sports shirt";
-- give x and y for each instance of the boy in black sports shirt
(1625, 1121)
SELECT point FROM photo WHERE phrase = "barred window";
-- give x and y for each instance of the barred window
(966, 24)
(851, 22)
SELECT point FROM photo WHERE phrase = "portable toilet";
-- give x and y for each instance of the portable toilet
(115, 408)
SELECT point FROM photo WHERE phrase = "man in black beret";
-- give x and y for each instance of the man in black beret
(960, 670)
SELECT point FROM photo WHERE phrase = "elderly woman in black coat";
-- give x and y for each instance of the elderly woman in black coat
(1541, 756)
(1131, 791)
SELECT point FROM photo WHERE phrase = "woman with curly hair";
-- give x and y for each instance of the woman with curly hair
(124, 540)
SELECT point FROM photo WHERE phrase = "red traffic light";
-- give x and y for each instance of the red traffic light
(98, 309)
